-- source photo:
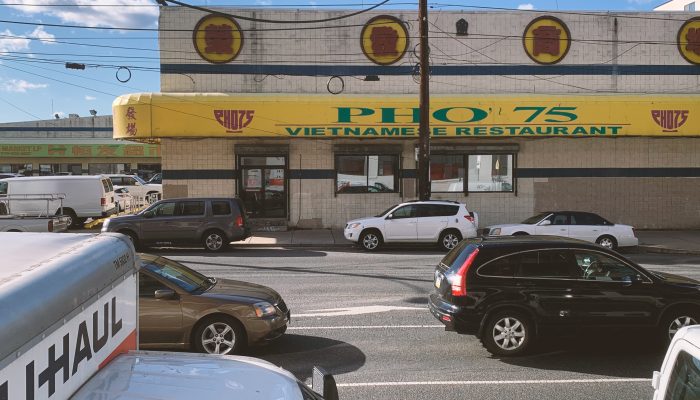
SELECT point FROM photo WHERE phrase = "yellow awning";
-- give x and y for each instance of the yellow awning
(148, 116)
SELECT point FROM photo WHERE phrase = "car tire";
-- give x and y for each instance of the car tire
(220, 335)
(214, 240)
(607, 241)
(133, 238)
(73, 220)
(508, 333)
(676, 319)
(371, 240)
(449, 239)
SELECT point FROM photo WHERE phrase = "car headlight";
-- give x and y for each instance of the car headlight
(264, 309)
(354, 225)
(495, 231)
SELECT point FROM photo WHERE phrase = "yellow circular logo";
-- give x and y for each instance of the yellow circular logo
(217, 38)
(546, 40)
(689, 40)
(384, 39)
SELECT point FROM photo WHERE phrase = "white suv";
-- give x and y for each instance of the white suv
(143, 193)
(443, 222)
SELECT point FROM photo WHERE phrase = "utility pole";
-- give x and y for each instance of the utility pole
(424, 126)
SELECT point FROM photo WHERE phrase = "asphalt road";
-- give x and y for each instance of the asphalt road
(364, 318)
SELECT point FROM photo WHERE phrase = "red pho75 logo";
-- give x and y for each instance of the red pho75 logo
(234, 120)
(670, 120)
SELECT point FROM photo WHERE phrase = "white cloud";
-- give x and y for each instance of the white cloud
(13, 43)
(40, 33)
(640, 2)
(263, 2)
(60, 114)
(90, 98)
(526, 6)
(20, 85)
(121, 15)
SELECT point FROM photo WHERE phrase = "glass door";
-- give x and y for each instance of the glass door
(264, 186)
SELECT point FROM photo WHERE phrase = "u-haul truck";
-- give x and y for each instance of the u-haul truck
(68, 329)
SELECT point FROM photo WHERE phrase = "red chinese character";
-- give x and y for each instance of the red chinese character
(131, 129)
(219, 39)
(546, 40)
(693, 38)
(84, 151)
(57, 150)
(131, 113)
(384, 40)
(133, 150)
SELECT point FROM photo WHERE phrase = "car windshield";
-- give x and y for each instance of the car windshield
(535, 219)
(385, 212)
(183, 277)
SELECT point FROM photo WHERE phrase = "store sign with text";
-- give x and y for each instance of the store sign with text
(79, 150)
(398, 117)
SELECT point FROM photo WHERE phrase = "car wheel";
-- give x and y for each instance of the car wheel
(607, 242)
(520, 234)
(220, 335)
(676, 320)
(370, 240)
(214, 241)
(508, 333)
(449, 240)
(73, 221)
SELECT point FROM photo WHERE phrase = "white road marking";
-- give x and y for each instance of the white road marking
(522, 382)
(335, 312)
(300, 328)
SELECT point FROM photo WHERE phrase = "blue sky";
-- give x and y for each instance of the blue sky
(34, 83)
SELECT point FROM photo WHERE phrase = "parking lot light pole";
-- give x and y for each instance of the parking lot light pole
(424, 127)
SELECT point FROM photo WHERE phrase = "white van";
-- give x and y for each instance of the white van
(86, 196)
(679, 378)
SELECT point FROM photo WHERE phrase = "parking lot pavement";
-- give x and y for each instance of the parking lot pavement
(364, 317)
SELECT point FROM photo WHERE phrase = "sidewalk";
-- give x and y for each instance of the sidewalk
(672, 242)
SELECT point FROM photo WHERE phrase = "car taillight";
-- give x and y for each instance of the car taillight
(469, 218)
(459, 280)
(239, 221)
(50, 225)
(103, 201)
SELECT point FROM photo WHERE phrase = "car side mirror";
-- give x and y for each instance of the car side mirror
(390, 216)
(148, 214)
(632, 279)
(165, 294)
(545, 222)
(324, 384)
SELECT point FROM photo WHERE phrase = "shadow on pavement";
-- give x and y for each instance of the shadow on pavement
(238, 252)
(616, 355)
(300, 353)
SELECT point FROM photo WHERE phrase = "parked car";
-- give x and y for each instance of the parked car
(124, 200)
(86, 196)
(574, 224)
(509, 290)
(211, 222)
(144, 193)
(443, 222)
(181, 308)
(679, 377)
(4, 175)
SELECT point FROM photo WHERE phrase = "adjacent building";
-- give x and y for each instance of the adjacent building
(73, 146)
(315, 123)
(677, 5)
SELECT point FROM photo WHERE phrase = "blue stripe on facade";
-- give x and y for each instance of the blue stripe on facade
(438, 70)
(54, 129)
(690, 172)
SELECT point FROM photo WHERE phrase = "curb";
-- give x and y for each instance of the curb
(295, 245)
(666, 250)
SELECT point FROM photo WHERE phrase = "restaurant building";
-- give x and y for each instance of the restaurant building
(529, 112)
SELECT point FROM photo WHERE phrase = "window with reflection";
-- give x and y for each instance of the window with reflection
(446, 173)
(366, 173)
(490, 173)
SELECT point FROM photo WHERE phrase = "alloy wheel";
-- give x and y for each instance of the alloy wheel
(370, 241)
(606, 242)
(214, 241)
(218, 338)
(450, 241)
(509, 333)
(679, 323)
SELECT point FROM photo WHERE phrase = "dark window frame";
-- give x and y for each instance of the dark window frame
(465, 164)
(395, 164)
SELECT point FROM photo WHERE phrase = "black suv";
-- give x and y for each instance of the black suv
(508, 290)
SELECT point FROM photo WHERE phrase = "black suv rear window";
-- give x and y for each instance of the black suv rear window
(437, 210)
(221, 207)
(456, 257)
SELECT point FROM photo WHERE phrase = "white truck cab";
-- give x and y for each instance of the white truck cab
(679, 378)
(69, 329)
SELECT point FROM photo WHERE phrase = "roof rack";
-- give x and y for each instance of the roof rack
(444, 201)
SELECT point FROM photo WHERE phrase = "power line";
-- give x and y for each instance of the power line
(218, 5)
(18, 108)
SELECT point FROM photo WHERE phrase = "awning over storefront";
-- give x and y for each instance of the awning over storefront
(148, 116)
(81, 148)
